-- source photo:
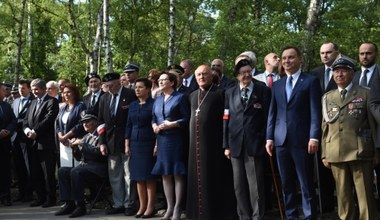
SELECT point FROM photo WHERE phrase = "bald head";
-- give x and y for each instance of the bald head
(203, 75)
(271, 62)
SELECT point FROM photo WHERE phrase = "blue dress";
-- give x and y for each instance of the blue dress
(170, 142)
(141, 140)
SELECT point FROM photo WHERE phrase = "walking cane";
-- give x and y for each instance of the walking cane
(276, 188)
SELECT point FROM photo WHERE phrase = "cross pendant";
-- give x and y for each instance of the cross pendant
(197, 111)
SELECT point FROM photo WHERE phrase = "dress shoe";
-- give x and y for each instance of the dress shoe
(80, 210)
(49, 203)
(37, 202)
(68, 208)
(139, 215)
(129, 212)
(115, 211)
(151, 215)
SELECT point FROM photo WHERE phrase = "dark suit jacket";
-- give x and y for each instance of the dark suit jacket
(356, 79)
(87, 101)
(42, 121)
(226, 83)
(299, 119)
(113, 137)
(192, 86)
(245, 127)
(21, 115)
(8, 122)
(73, 122)
(374, 101)
(319, 72)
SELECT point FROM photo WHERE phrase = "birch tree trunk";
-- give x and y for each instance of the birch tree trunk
(310, 28)
(171, 32)
(107, 42)
(95, 54)
(19, 42)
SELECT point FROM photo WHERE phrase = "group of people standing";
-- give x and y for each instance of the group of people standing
(207, 136)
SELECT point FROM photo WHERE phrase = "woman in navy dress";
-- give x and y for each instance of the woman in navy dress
(171, 114)
(140, 142)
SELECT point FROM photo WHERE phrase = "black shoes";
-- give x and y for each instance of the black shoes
(68, 208)
(151, 215)
(80, 210)
(113, 211)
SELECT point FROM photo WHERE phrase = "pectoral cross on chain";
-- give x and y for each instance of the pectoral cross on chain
(197, 111)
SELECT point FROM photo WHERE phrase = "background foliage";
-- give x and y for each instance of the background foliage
(205, 29)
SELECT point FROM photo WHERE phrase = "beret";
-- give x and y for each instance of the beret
(91, 76)
(240, 64)
(111, 76)
(177, 68)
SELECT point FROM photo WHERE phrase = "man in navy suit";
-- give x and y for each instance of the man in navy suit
(224, 81)
(245, 121)
(294, 130)
(367, 57)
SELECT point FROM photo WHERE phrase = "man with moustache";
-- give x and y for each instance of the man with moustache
(294, 130)
(347, 143)
(270, 75)
(209, 188)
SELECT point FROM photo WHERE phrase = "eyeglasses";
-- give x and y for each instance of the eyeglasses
(160, 80)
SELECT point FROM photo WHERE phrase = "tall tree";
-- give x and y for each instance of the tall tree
(171, 32)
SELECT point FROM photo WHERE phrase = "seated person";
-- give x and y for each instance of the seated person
(92, 168)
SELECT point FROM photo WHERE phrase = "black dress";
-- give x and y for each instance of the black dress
(210, 193)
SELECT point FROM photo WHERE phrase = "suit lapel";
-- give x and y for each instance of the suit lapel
(350, 95)
(297, 86)
(237, 98)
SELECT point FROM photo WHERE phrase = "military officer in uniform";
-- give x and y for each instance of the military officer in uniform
(347, 142)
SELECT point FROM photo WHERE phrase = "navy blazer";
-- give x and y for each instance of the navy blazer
(113, 136)
(244, 128)
(87, 101)
(42, 121)
(73, 121)
(356, 78)
(298, 120)
(139, 123)
(192, 86)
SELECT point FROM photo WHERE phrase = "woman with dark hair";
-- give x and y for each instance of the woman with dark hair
(171, 113)
(68, 123)
(140, 142)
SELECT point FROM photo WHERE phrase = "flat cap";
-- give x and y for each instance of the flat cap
(91, 76)
(111, 76)
(131, 67)
(343, 62)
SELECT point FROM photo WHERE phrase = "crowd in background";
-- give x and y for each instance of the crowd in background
(215, 144)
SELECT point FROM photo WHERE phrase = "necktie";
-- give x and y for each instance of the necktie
(327, 77)
(289, 87)
(363, 81)
(93, 101)
(185, 82)
(244, 96)
(343, 94)
(270, 80)
(113, 105)
(22, 103)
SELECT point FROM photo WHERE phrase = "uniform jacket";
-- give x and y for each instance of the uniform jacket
(244, 128)
(349, 137)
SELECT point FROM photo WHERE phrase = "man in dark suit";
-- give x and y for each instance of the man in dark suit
(38, 126)
(367, 57)
(113, 113)
(224, 81)
(294, 130)
(91, 100)
(8, 123)
(245, 119)
(328, 52)
(188, 76)
(20, 142)
(92, 168)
